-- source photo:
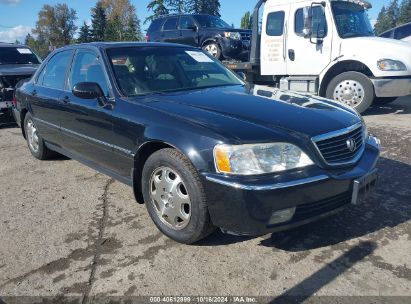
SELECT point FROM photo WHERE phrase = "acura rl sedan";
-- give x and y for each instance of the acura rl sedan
(199, 148)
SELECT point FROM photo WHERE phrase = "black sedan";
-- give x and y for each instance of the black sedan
(200, 148)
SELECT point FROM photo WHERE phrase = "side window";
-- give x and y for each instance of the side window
(87, 68)
(186, 23)
(171, 24)
(319, 24)
(155, 25)
(386, 34)
(403, 32)
(53, 75)
(275, 24)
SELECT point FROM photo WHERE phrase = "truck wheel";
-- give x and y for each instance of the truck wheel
(35, 142)
(213, 49)
(174, 197)
(384, 100)
(353, 89)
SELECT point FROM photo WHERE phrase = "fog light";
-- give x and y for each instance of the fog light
(282, 216)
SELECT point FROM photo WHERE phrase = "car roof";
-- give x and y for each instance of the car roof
(13, 45)
(107, 45)
(180, 15)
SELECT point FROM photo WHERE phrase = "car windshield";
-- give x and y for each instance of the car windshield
(146, 70)
(17, 55)
(211, 21)
(351, 20)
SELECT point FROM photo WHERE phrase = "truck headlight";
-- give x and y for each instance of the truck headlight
(391, 65)
(233, 35)
(259, 158)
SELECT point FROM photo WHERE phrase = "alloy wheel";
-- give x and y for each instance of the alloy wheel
(212, 49)
(32, 136)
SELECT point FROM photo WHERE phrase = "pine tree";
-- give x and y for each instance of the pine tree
(405, 12)
(98, 22)
(115, 30)
(382, 23)
(392, 14)
(84, 34)
(133, 28)
(178, 6)
(210, 7)
(159, 8)
(246, 21)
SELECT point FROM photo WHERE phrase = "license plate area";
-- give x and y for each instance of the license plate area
(363, 187)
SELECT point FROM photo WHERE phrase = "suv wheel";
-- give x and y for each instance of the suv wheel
(35, 142)
(174, 197)
(213, 49)
(353, 89)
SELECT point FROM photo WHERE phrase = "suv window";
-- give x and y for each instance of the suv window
(403, 31)
(87, 68)
(17, 55)
(155, 26)
(319, 24)
(54, 74)
(171, 24)
(275, 23)
(386, 34)
(186, 23)
(207, 21)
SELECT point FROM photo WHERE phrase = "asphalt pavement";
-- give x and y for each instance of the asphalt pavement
(68, 230)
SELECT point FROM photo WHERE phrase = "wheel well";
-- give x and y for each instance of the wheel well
(208, 41)
(341, 67)
(22, 117)
(139, 160)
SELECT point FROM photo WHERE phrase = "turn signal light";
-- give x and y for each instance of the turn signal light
(221, 160)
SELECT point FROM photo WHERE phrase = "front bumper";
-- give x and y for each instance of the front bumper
(392, 87)
(245, 205)
(234, 49)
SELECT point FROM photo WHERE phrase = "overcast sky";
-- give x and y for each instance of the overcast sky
(18, 17)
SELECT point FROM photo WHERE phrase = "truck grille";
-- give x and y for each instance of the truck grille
(341, 147)
(8, 84)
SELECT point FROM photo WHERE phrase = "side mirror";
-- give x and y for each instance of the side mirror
(192, 27)
(88, 90)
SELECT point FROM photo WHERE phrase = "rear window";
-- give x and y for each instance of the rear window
(403, 32)
(17, 55)
(156, 25)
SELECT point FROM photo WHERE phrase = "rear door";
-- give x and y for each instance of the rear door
(273, 40)
(45, 101)
(86, 125)
(170, 32)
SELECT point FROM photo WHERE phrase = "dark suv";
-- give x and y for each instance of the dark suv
(210, 33)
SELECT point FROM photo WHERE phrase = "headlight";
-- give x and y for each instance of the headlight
(259, 158)
(391, 65)
(233, 35)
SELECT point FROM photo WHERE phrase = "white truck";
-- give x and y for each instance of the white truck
(326, 48)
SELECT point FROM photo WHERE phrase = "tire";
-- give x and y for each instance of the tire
(35, 142)
(185, 218)
(213, 49)
(384, 100)
(353, 89)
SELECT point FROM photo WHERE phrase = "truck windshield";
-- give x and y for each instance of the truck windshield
(148, 70)
(211, 21)
(351, 20)
(17, 55)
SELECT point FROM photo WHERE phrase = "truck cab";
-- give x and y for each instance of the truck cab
(327, 48)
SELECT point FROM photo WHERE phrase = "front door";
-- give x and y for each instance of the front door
(273, 40)
(46, 104)
(188, 31)
(307, 56)
(87, 126)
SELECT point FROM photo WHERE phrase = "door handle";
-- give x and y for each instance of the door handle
(65, 99)
(291, 54)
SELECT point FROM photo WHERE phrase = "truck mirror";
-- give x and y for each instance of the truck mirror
(308, 21)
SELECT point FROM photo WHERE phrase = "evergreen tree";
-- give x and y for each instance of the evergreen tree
(178, 6)
(382, 23)
(405, 12)
(159, 8)
(246, 21)
(392, 12)
(98, 22)
(210, 7)
(133, 28)
(114, 31)
(85, 34)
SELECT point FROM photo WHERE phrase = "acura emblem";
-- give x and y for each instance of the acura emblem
(351, 145)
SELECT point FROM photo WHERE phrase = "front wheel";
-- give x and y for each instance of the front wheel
(174, 197)
(213, 49)
(353, 89)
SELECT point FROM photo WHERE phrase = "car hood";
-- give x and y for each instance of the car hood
(242, 112)
(18, 69)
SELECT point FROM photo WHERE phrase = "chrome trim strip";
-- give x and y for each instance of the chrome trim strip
(276, 186)
(337, 133)
(102, 143)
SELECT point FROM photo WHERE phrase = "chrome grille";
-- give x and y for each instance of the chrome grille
(341, 147)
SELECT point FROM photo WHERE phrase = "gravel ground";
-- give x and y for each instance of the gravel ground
(68, 230)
